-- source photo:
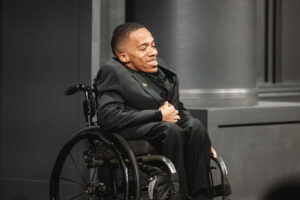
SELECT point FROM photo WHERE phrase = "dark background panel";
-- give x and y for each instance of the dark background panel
(45, 47)
(290, 41)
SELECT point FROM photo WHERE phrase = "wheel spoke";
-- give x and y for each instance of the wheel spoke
(70, 180)
(83, 179)
(87, 142)
(76, 196)
(93, 174)
(90, 143)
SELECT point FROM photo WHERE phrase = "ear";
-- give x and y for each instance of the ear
(123, 57)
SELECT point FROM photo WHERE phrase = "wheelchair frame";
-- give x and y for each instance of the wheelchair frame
(115, 154)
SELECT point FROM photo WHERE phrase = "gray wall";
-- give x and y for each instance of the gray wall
(204, 39)
(210, 44)
(200, 38)
(259, 144)
(45, 47)
(237, 44)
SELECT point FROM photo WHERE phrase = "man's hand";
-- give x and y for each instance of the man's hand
(213, 152)
(169, 113)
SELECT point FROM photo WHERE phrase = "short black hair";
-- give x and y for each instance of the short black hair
(121, 32)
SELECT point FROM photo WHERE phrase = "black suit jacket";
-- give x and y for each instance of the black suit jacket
(125, 100)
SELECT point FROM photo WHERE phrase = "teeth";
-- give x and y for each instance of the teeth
(153, 62)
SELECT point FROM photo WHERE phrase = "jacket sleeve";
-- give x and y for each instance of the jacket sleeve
(183, 112)
(113, 113)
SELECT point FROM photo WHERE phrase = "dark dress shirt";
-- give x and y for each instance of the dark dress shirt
(160, 82)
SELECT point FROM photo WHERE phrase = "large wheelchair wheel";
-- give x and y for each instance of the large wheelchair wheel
(92, 167)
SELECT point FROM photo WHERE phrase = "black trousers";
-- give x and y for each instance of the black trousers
(186, 144)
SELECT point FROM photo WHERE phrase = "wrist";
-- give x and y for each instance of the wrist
(158, 115)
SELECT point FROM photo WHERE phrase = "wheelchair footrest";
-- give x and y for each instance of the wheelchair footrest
(220, 190)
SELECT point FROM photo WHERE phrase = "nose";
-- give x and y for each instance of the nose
(153, 51)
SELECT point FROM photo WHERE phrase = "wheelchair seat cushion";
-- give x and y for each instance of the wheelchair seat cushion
(142, 147)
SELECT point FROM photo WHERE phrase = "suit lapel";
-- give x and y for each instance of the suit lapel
(173, 75)
(170, 72)
(142, 81)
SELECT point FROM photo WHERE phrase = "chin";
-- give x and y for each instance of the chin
(153, 70)
(150, 69)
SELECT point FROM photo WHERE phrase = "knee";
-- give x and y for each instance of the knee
(197, 129)
(171, 130)
(198, 125)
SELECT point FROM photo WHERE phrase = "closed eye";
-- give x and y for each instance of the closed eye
(143, 47)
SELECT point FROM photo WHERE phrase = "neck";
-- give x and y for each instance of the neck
(130, 66)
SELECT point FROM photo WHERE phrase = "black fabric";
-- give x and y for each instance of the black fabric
(124, 100)
(128, 105)
(160, 81)
(187, 145)
(202, 195)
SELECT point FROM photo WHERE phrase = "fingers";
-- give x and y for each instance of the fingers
(164, 106)
(169, 112)
(172, 109)
(171, 106)
(213, 152)
(177, 117)
(174, 114)
(173, 119)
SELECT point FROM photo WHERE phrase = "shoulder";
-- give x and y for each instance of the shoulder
(112, 68)
(111, 76)
(113, 65)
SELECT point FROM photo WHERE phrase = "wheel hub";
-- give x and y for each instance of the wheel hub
(93, 190)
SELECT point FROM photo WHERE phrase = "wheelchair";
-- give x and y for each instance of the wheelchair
(93, 165)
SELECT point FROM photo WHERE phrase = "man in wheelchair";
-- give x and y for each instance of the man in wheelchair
(138, 97)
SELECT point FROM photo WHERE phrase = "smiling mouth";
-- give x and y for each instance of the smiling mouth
(153, 62)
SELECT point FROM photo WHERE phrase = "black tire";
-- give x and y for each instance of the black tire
(92, 167)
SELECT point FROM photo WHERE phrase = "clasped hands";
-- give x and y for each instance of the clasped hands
(170, 114)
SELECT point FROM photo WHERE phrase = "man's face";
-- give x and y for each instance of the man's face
(140, 52)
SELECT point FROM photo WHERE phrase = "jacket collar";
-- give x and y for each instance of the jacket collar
(143, 82)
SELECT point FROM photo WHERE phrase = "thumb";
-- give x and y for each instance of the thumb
(165, 103)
